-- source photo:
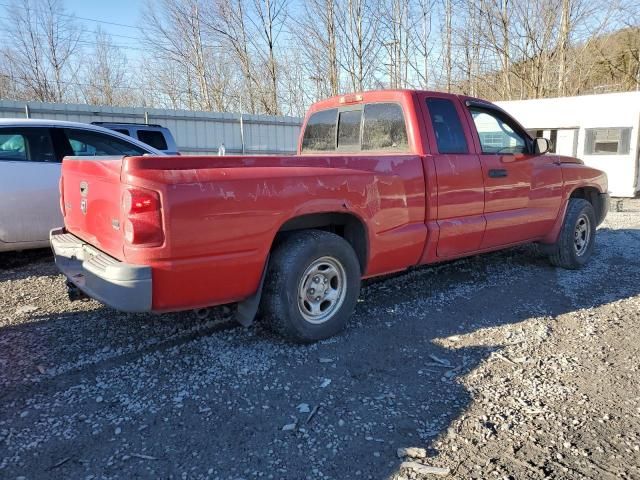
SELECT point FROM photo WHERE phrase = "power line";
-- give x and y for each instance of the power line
(129, 37)
(85, 42)
(88, 42)
(80, 18)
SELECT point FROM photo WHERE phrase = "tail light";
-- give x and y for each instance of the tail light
(61, 195)
(142, 217)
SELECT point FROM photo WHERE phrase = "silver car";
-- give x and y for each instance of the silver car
(31, 152)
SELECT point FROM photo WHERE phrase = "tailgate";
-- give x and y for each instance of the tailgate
(91, 202)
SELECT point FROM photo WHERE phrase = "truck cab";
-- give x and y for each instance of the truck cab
(492, 184)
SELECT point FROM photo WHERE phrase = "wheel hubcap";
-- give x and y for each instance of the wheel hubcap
(582, 235)
(322, 290)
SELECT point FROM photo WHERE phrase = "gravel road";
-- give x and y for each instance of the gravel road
(497, 366)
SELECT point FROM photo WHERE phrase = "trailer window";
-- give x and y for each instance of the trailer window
(607, 141)
(384, 128)
(320, 132)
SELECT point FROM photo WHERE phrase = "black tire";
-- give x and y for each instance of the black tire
(568, 254)
(295, 264)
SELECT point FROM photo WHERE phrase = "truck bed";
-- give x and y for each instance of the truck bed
(220, 215)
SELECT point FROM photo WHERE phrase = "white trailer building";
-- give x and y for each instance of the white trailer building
(602, 130)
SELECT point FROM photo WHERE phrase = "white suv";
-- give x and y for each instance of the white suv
(30, 155)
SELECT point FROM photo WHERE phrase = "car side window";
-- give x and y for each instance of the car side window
(85, 143)
(447, 127)
(154, 138)
(26, 144)
(496, 134)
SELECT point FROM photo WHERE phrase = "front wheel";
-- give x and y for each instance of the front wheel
(577, 237)
(312, 285)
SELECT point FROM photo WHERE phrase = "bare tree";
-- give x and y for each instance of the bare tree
(296, 97)
(422, 45)
(43, 43)
(358, 25)
(275, 56)
(7, 80)
(396, 37)
(535, 25)
(178, 35)
(162, 84)
(447, 43)
(497, 17)
(227, 19)
(268, 22)
(62, 37)
(106, 78)
(317, 34)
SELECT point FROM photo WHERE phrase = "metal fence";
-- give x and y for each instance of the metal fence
(195, 132)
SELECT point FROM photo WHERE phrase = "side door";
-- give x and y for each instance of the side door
(522, 189)
(459, 176)
(29, 176)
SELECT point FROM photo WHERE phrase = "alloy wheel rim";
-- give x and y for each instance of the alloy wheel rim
(322, 290)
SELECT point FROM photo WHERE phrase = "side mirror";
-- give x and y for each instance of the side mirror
(541, 146)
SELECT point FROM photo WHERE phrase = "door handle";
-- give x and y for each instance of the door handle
(497, 173)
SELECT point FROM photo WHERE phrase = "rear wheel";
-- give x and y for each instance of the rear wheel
(312, 285)
(577, 237)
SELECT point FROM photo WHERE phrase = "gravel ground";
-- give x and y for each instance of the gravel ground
(497, 366)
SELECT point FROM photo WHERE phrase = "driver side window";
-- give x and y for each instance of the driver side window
(496, 135)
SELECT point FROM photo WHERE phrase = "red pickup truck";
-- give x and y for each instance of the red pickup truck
(382, 181)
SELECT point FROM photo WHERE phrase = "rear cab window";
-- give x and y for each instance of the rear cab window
(370, 127)
(320, 132)
(384, 128)
(349, 130)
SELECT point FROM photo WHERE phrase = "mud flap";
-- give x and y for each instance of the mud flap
(246, 310)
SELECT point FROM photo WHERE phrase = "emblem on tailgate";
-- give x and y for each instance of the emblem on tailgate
(84, 191)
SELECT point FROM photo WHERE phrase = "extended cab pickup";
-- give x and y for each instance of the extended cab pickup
(382, 181)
